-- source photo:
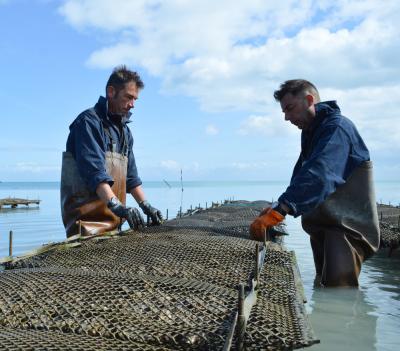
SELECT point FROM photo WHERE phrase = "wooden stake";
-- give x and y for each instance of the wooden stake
(10, 244)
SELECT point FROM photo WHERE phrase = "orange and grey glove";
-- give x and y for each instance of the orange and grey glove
(267, 219)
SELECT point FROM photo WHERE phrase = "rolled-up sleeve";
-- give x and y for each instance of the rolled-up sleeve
(320, 174)
(89, 151)
(132, 179)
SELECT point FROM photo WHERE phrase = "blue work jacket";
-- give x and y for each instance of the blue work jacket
(331, 148)
(92, 134)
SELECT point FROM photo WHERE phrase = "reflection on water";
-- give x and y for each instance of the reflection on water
(384, 271)
(342, 319)
(20, 209)
(381, 284)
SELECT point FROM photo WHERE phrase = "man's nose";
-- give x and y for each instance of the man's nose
(131, 103)
(287, 117)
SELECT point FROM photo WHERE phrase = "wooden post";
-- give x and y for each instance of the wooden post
(167, 214)
(257, 272)
(241, 319)
(10, 244)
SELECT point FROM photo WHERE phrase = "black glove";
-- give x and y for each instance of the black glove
(132, 215)
(152, 212)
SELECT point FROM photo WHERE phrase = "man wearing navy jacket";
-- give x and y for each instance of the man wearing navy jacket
(99, 166)
(331, 187)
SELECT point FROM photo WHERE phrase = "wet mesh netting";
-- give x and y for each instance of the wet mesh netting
(232, 219)
(389, 221)
(173, 287)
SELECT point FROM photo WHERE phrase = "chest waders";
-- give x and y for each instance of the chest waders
(344, 229)
(82, 210)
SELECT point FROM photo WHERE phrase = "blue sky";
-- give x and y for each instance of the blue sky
(210, 69)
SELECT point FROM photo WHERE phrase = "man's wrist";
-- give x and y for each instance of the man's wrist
(143, 204)
(278, 207)
(113, 202)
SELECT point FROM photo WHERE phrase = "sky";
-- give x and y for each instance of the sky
(210, 69)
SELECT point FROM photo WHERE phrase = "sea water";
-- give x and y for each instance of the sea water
(367, 318)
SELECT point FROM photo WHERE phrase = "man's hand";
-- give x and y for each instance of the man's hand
(152, 212)
(132, 215)
(267, 219)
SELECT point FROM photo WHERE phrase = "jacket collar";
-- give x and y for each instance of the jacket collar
(102, 109)
(323, 109)
(326, 107)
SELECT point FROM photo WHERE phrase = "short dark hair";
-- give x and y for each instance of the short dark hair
(295, 86)
(122, 75)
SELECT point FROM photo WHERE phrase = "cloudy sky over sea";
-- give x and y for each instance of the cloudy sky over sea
(210, 69)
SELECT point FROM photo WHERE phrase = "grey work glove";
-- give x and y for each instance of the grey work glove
(152, 212)
(132, 215)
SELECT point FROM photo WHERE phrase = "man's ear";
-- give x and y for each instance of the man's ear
(310, 100)
(110, 92)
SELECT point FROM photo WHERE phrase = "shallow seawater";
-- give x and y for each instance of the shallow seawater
(367, 318)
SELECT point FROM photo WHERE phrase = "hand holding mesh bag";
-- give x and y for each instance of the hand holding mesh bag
(152, 212)
(267, 219)
(132, 215)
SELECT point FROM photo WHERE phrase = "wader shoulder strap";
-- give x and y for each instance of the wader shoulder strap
(112, 145)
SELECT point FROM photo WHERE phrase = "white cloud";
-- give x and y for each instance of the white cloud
(194, 166)
(250, 165)
(233, 55)
(170, 165)
(33, 167)
(374, 111)
(211, 130)
(14, 147)
(257, 125)
(267, 126)
(210, 41)
(108, 15)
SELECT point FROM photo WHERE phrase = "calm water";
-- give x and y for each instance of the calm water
(367, 318)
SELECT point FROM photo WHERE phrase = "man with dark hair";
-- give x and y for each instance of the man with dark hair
(331, 187)
(99, 166)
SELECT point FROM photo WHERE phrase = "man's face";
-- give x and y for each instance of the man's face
(298, 109)
(120, 103)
